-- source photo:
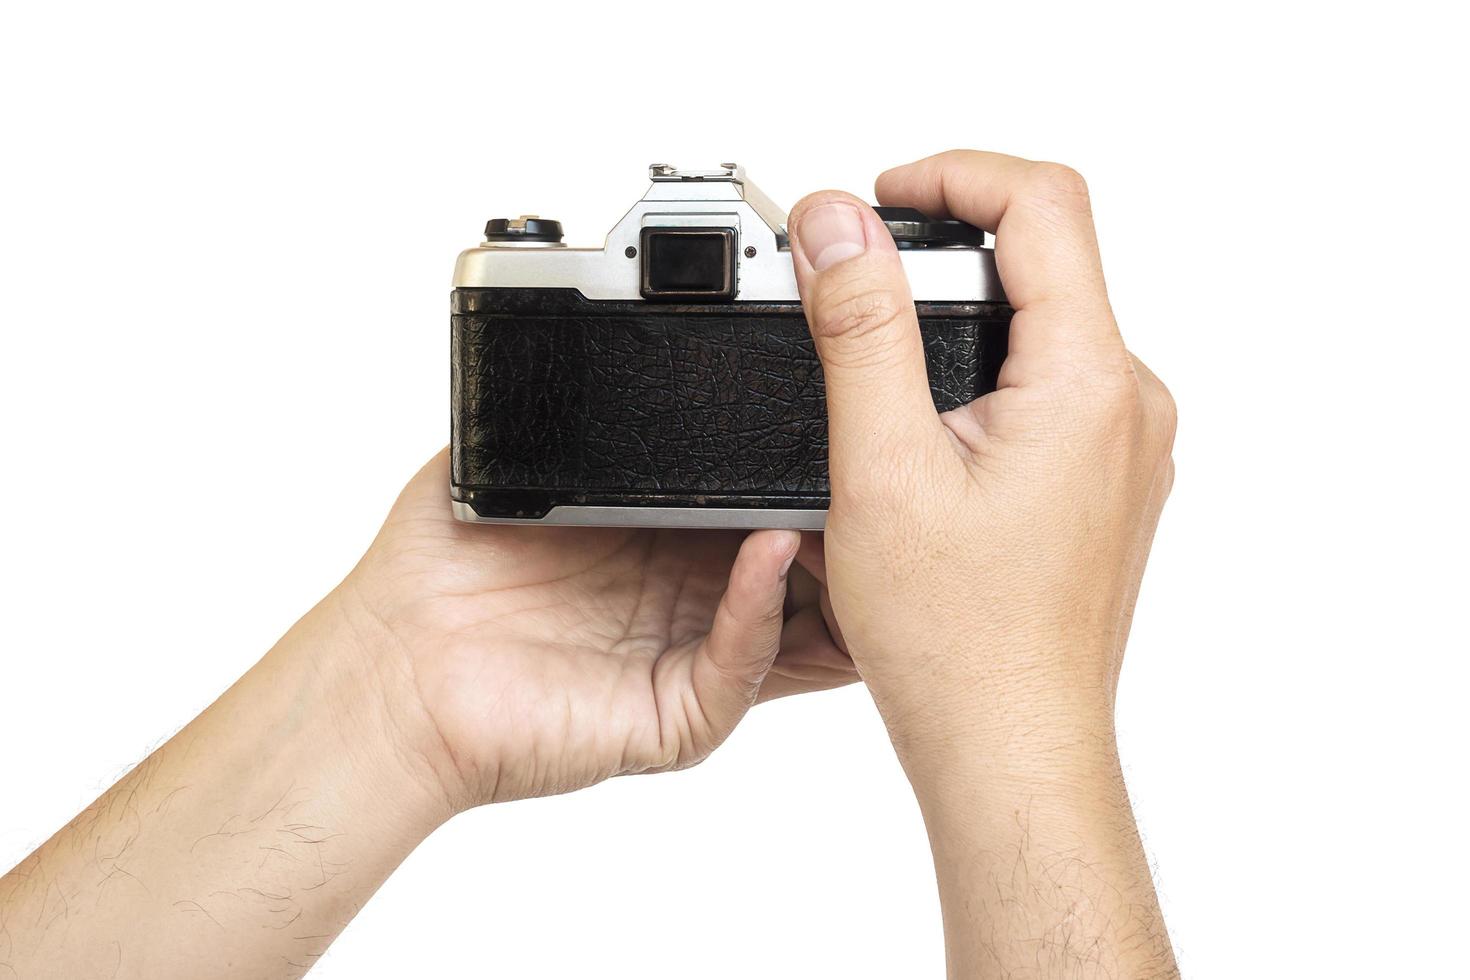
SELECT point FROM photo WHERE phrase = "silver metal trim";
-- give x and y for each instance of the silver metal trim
(750, 518)
(724, 198)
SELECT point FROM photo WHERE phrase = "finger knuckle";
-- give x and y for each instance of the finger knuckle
(1164, 411)
(863, 318)
(1108, 375)
(857, 313)
(1117, 398)
(1104, 397)
(1161, 414)
(1060, 186)
(670, 755)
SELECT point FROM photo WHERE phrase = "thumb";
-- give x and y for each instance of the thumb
(862, 320)
(746, 634)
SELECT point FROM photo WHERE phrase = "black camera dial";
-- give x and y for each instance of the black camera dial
(526, 228)
(912, 228)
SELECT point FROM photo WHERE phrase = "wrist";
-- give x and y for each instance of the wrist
(256, 832)
(980, 753)
(1066, 770)
(1003, 737)
(360, 697)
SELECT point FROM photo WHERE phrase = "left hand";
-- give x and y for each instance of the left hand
(527, 661)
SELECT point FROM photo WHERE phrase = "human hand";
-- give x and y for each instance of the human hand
(457, 664)
(984, 563)
(526, 661)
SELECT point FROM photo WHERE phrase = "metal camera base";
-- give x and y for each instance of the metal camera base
(710, 518)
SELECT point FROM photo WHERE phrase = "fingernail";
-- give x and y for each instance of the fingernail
(831, 233)
(786, 565)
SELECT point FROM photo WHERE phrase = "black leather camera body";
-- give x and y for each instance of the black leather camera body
(668, 378)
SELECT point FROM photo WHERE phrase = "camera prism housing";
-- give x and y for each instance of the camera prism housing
(669, 378)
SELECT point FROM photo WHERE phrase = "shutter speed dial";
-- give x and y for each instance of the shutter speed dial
(912, 228)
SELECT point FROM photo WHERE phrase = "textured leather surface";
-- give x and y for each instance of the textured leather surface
(640, 399)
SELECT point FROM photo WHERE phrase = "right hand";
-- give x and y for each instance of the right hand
(983, 563)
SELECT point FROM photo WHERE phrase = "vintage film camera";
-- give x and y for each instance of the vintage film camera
(668, 378)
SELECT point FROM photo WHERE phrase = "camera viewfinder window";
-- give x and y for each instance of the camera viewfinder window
(689, 263)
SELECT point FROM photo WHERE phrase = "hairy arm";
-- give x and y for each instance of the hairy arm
(983, 563)
(456, 665)
(1040, 868)
(242, 846)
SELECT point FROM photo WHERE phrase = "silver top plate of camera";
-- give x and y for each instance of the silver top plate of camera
(720, 198)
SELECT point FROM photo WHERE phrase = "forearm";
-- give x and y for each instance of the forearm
(1040, 868)
(247, 842)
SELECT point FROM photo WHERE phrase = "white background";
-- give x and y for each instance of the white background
(225, 248)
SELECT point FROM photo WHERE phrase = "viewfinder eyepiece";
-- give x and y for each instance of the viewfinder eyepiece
(693, 264)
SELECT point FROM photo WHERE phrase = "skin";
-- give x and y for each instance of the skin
(456, 665)
(983, 566)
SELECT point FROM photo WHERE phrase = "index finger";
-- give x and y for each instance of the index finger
(1040, 214)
